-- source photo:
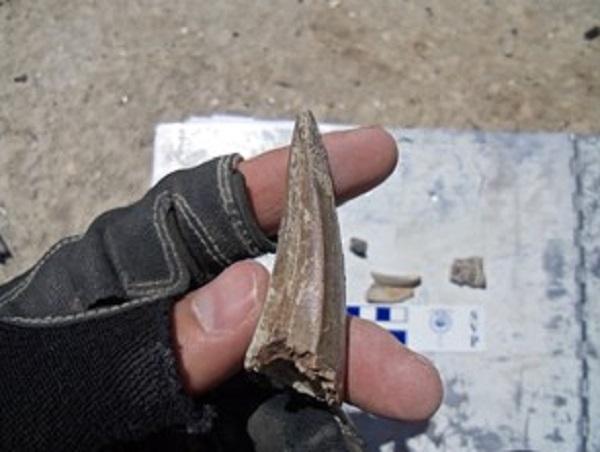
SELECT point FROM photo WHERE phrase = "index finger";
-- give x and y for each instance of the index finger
(360, 159)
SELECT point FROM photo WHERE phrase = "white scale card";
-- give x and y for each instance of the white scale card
(510, 354)
(435, 328)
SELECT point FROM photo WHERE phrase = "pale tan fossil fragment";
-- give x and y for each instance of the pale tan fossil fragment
(300, 340)
(388, 288)
(389, 294)
(384, 279)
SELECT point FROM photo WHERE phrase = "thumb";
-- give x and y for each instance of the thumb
(213, 325)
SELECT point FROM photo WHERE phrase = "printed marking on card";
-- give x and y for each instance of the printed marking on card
(436, 328)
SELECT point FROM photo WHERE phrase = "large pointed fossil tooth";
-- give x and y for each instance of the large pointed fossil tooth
(300, 340)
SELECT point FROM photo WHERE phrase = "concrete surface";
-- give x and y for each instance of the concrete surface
(83, 83)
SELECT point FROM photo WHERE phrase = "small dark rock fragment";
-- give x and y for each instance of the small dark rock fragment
(21, 78)
(283, 84)
(358, 247)
(468, 272)
(5, 253)
(592, 33)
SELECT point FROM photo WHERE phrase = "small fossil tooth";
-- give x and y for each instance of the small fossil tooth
(389, 294)
(384, 279)
(358, 246)
(300, 340)
(468, 272)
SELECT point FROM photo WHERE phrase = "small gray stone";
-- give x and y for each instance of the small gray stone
(468, 272)
(358, 246)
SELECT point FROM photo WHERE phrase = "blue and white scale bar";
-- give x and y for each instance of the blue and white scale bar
(434, 328)
(394, 319)
(379, 313)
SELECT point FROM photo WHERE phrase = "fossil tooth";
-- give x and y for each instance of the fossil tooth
(389, 294)
(300, 340)
(384, 279)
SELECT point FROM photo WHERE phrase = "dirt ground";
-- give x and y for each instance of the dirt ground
(83, 83)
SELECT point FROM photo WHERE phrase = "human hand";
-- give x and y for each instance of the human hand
(213, 325)
(86, 345)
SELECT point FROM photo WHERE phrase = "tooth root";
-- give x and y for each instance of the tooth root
(300, 340)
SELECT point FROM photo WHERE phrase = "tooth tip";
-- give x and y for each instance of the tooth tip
(306, 131)
(305, 120)
(307, 114)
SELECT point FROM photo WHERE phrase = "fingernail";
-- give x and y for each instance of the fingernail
(226, 302)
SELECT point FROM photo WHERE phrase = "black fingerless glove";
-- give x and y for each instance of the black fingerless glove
(85, 351)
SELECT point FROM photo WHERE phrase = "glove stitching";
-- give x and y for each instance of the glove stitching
(161, 288)
(161, 205)
(20, 288)
(226, 194)
(131, 288)
(200, 231)
(85, 315)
